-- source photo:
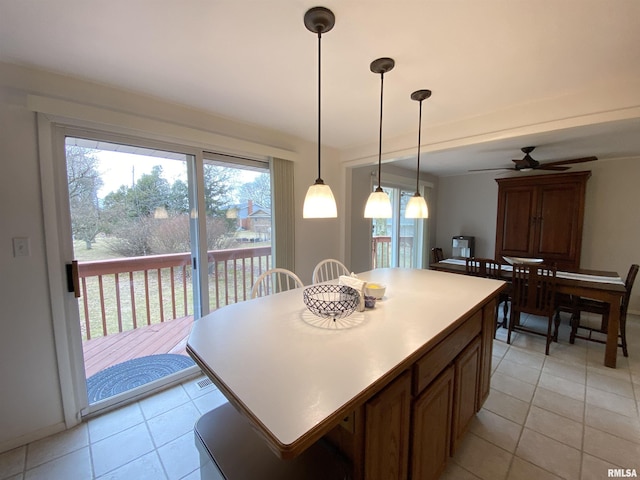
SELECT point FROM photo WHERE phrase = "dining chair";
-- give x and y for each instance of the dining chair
(274, 281)
(534, 292)
(328, 269)
(489, 268)
(588, 305)
(437, 255)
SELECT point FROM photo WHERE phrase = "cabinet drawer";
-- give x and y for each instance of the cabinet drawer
(432, 363)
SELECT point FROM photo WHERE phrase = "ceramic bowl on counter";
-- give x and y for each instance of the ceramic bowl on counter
(375, 290)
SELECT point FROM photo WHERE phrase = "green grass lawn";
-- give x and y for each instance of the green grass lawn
(99, 250)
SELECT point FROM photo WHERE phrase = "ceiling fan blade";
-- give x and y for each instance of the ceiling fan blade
(488, 169)
(573, 160)
(557, 168)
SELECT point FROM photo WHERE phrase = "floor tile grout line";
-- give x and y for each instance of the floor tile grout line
(526, 417)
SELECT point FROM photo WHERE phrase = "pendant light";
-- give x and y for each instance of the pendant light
(319, 202)
(417, 206)
(378, 205)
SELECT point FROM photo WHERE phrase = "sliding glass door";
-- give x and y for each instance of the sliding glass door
(131, 223)
(397, 241)
(237, 195)
(160, 236)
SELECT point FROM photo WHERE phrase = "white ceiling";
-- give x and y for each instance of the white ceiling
(255, 62)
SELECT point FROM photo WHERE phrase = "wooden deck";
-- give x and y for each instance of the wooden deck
(165, 337)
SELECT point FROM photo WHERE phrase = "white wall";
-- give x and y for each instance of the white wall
(611, 234)
(31, 397)
(467, 205)
(28, 375)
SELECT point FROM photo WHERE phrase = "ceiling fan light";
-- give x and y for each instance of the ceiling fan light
(319, 202)
(416, 207)
(378, 205)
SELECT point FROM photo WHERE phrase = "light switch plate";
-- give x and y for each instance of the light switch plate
(21, 247)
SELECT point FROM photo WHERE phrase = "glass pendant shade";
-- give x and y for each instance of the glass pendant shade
(416, 207)
(319, 202)
(378, 205)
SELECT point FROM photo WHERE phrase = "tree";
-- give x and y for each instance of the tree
(179, 197)
(259, 190)
(218, 184)
(150, 192)
(132, 212)
(83, 180)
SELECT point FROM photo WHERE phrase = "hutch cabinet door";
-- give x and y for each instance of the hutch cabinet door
(516, 230)
(557, 222)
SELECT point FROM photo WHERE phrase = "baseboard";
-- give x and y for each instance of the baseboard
(10, 444)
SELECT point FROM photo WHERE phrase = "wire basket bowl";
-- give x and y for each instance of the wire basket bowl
(331, 301)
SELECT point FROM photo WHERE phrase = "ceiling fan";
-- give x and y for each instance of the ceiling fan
(528, 163)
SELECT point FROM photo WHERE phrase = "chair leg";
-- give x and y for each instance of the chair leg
(505, 309)
(549, 335)
(574, 322)
(557, 325)
(514, 318)
(623, 334)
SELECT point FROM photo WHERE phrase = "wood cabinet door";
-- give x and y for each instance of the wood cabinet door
(387, 426)
(557, 222)
(431, 440)
(515, 228)
(467, 377)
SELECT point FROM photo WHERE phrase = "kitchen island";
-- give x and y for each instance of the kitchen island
(405, 376)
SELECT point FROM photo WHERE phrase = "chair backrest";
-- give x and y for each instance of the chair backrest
(274, 281)
(628, 285)
(328, 269)
(436, 255)
(534, 289)
(483, 267)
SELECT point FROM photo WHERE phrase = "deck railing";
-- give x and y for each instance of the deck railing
(381, 252)
(123, 294)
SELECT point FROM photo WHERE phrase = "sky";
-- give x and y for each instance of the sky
(119, 168)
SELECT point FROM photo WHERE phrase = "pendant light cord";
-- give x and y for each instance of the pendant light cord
(379, 189)
(419, 131)
(319, 179)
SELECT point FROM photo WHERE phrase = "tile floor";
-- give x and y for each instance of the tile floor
(564, 416)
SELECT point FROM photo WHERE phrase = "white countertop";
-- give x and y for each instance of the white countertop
(290, 376)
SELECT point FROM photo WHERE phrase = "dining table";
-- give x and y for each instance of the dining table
(605, 286)
(297, 377)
